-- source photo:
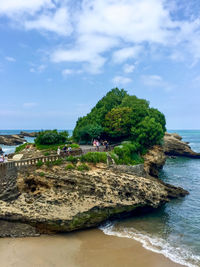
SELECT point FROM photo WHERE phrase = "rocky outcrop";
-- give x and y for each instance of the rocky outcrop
(27, 134)
(154, 161)
(174, 146)
(56, 200)
(11, 140)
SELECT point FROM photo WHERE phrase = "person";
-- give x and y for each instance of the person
(6, 158)
(97, 145)
(69, 150)
(58, 151)
(106, 145)
(65, 149)
(94, 143)
(1, 151)
(1, 158)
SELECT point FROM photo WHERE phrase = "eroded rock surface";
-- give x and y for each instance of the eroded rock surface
(56, 200)
(11, 140)
(174, 146)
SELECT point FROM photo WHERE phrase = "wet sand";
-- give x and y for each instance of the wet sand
(91, 248)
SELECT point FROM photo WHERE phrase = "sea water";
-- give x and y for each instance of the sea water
(174, 229)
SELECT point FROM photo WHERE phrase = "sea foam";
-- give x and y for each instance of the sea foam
(178, 255)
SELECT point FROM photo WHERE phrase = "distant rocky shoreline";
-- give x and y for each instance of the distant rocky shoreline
(16, 139)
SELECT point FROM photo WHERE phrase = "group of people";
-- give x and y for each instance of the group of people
(3, 158)
(66, 150)
(96, 143)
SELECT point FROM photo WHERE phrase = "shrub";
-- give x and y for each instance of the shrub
(57, 162)
(51, 137)
(41, 174)
(48, 163)
(83, 167)
(39, 163)
(46, 154)
(72, 159)
(69, 167)
(21, 147)
(94, 157)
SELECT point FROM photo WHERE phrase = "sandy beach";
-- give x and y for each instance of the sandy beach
(91, 248)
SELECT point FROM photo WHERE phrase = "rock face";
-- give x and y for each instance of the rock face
(56, 200)
(11, 140)
(33, 134)
(174, 146)
(154, 160)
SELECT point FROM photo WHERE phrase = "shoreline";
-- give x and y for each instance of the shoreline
(89, 248)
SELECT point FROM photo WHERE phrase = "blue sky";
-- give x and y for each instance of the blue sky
(59, 57)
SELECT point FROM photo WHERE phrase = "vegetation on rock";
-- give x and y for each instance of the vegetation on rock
(53, 137)
(119, 116)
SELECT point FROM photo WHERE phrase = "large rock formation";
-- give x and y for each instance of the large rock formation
(11, 140)
(56, 200)
(174, 146)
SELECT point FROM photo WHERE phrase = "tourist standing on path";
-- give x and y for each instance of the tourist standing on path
(58, 151)
(69, 150)
(97, 145)
(106, 145)
(1, 158)
(94, 143)
(6, 158)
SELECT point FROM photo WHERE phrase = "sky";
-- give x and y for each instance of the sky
(59, 57)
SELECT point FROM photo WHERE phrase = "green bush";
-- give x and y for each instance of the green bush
(48, 163)
(53, 137)
(39, 163)
(41, 174)
(83, 167)
(94, 157)
(72, 159)
(57, 162)
(69, 167)
(21, 147)
(127, 154)
(46, 154)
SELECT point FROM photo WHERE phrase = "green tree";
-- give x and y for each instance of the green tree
(118, 122)
(148, 132)
(158, 116)
(51, 137)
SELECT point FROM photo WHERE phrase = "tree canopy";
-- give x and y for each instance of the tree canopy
(119, 116)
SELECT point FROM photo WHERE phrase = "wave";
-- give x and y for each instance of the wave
(178, 255)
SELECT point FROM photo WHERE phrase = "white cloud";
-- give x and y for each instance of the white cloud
(38, 69)
(127, 68)
(57, 22)
(126, 53)
(121, 80)
(66, 72)
(30, 105)
(156, 81)
(99, 28)
(19, 7)
(11, 59)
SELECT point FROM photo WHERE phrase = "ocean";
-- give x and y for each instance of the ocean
(174, 229)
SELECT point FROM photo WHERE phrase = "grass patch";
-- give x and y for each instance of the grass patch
(69, 167)
(94, 157)
(72, 159)
(39, 163)
(46, 154)
(21, 147)
(41, 174)
(83, 167)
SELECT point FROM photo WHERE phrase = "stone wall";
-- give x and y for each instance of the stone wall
(8, 183)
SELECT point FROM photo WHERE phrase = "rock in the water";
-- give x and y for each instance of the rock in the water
(33, 134)
(56, 200)
(11, 140)
(173, 146)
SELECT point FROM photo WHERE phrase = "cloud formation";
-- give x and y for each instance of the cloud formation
(94, 32)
